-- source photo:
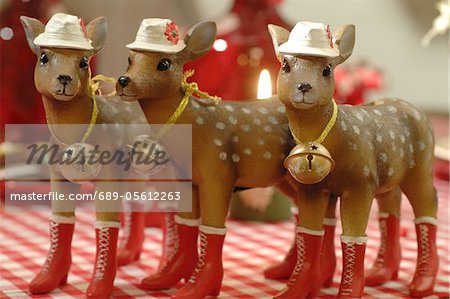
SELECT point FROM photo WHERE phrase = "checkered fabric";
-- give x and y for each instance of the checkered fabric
(249, 248)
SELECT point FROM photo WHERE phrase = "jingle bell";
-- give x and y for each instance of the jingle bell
(75, 163)
(309, 163)
(147, 154)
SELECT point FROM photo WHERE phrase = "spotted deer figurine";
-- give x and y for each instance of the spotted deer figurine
(368, 151)
(235, 144)
(62, 75)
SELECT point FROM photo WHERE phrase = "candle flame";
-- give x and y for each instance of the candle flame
(264, 85)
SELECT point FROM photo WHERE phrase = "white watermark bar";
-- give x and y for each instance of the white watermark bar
(134, 165)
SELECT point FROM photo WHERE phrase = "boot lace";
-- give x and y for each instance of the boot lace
(348, 273)
(384, 235)
(172, 241)
(126, 229)
(102, 254)
(201, 257)
(54, 240)
(425, 250)
(301, 252)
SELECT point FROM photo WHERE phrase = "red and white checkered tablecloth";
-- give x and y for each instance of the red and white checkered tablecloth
(249, 248)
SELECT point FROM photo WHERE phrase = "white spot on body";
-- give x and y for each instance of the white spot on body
(223, 156)
(402, 153)
(232, 120)
(245, 127)
(211, 108)
(235, 139)
(377, 112)
(379, 137)
(195, 104)
(282, 140)
(268, 129)
(402, 138)
(353, 146)
(343, 125)
(246, 110)
(359, 116)
(260, 141)
(229, 108)
(366, 171)
(247, 151)
(421, 145)
(412, 164)
(392, 134)
(273, 120)
(391, 171)
(235, 157)
(383, 157)
(416, 114)
(411, 148)
(199, 120)
(220, 125)
(267, 155)
(356, 130)
(217, 142)
(281, 109)
(257, 121)
(392, 109)
(262, 110)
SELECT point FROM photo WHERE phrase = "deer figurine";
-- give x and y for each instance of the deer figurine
(356, 153)
(64, 48)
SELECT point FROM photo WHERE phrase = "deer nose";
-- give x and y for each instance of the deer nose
(64, 79)
(123, 80)
(304, 87)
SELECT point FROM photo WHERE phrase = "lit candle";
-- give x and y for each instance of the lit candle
(264, 85)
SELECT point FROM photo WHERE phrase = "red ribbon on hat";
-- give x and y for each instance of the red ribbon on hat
(172, 34)
(330, 37)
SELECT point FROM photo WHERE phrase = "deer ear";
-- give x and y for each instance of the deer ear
(33, 28)
(279, 36)
(344, 38)
(199, 39)
(96, 32)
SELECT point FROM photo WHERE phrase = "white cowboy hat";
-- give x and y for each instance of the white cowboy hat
(158, 35)
(310, 39)
(64, 31)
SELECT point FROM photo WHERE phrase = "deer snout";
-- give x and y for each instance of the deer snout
(123, 80)
(64, 79)
(304, 87)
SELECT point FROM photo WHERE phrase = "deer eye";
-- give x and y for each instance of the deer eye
(286, 68)
(164, 65)
(327, 71)
(84, 63)
(43, 58)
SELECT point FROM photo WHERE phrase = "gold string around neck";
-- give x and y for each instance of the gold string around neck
(94, 85)
(189, 89)
(327, 128)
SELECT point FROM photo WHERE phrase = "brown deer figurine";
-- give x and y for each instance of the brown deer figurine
(235, 144)
(63, 77)
(369, 151)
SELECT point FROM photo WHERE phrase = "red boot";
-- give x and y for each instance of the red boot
(130, 247)
(101, 285)
(352, 280)
(305, 279)
(328, 255)
(427, 258)
(181, 256)
(56, 267)
(283, 269)
(207, 277)
(387, 263)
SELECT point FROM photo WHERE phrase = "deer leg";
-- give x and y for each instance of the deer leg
(328, 255)
(283, 269)
(180, 241)
(423, 199)
(214, 204)
(305, 279)
(355, 209)
(387, 263)
(59, 258)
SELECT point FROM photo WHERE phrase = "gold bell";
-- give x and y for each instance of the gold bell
(309, 163)
(74, 163)
(146, 151)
